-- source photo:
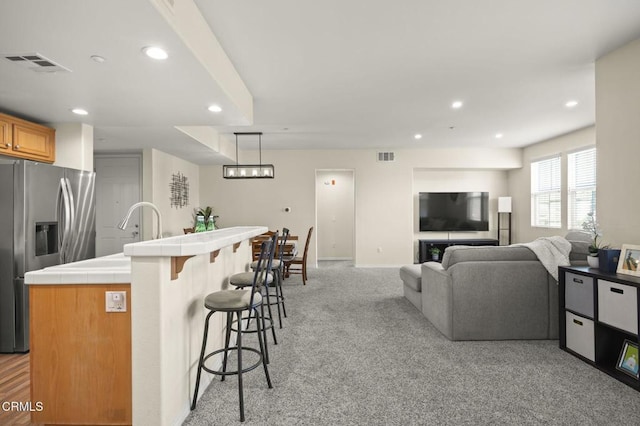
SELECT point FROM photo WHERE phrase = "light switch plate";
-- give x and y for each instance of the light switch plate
(116, 301)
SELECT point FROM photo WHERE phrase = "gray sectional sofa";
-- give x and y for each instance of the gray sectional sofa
(488, 293)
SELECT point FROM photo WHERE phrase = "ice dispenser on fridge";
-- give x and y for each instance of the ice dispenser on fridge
(46, 238)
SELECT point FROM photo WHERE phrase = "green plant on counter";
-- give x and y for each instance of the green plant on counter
(435, 251)
(207, 214)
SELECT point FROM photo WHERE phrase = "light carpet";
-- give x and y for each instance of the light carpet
(353, 351)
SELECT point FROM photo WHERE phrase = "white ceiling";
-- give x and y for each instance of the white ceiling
(323, 74)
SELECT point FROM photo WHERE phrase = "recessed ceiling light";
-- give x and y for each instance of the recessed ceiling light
(417, 136)
(155, 52)
(499, 135)
(97, 58)
(456, 104)
(215, 108)
(79, 111)
(571, 104)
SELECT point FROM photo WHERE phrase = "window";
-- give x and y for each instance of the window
(546, 193)
(581, 170)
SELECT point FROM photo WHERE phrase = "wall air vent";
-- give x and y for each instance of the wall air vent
(386, 156)
(35, 62)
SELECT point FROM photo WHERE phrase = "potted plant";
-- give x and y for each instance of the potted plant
(208, 217)
(435, 253)
(591, 226)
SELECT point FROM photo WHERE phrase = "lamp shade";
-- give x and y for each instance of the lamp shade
(504, 204)
(248, 171)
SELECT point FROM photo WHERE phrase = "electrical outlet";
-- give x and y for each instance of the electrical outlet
(116, 301)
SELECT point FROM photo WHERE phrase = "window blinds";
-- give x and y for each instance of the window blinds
(581, 168)
(546, 193)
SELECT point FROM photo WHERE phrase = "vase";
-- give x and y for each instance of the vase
(200, 227)
(593, 261)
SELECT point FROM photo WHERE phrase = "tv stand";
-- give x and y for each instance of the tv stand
(425, 245)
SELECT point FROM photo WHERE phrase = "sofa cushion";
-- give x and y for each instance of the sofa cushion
(411, 275)
(457, 254)
(580, 242)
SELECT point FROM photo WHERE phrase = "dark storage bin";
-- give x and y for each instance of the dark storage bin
(608, 259)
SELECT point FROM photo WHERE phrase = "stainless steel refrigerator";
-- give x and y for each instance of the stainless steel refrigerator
(47, 217)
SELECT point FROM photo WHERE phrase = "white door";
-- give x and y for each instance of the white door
(335, 214)
(118, 185)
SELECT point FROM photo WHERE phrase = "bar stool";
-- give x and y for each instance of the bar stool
(243, 280)
(236, 302)
(277, 267)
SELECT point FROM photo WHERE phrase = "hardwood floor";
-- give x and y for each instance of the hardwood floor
(14, 387)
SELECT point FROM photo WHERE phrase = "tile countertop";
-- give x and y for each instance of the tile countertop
(193, 244)
(116, 268)
(112, 269)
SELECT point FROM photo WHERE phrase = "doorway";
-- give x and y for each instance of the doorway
(335, 216)
(118, 186)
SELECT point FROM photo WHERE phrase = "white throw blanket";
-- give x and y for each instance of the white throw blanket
(551, 251)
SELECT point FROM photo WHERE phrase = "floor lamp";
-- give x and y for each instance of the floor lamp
(504, 220)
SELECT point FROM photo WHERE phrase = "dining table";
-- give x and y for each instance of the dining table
(290, 247)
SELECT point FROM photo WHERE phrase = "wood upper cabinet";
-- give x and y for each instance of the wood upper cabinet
(6, 138)
(21, 138)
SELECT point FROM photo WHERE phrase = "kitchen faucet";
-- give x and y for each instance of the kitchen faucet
(123, 223)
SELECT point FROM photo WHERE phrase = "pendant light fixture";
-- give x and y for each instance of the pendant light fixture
(248, 171)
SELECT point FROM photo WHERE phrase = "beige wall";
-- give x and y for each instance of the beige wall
(520, 182)
(74, 146)
(618, 134)
(384, 225)
(157, 170)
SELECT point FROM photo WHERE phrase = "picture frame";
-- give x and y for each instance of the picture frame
(629, 261)
(628, 360)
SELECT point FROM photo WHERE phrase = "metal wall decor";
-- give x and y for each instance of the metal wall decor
(179, 189)
(249, 171)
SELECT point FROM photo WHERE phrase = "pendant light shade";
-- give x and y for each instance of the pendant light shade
(249, 171)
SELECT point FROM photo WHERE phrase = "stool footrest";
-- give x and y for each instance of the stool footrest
(267, 326)
(232, 372)
(278, 299)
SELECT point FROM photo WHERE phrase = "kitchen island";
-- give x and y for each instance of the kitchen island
(136, 366)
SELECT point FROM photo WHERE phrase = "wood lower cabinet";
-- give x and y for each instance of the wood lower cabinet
(23, 139)
(598, 316)
(80, 355)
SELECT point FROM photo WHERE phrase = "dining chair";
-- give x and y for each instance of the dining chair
(298, 265)
(256, 244)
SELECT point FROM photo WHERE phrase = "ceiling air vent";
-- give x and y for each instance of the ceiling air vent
(386, 156)
(35, 62)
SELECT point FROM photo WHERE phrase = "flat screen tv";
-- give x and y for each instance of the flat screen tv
(454, 211)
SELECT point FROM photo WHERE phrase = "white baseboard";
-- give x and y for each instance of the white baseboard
(378, 266)
(335, 258)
